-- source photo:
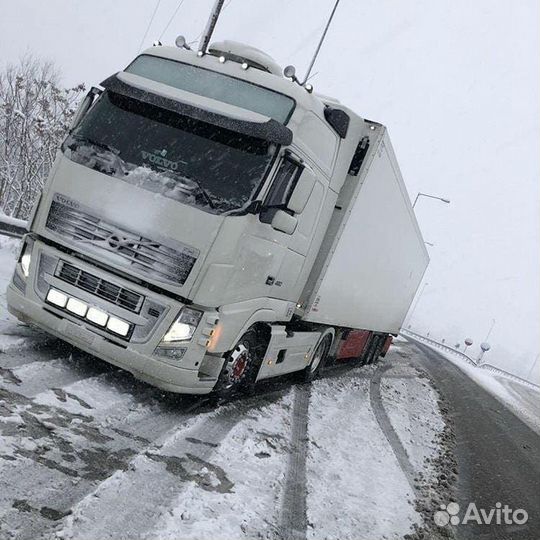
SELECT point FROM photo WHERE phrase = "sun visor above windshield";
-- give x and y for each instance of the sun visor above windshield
(271, 130)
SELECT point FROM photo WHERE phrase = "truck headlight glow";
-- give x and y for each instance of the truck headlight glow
(26, 257)
(57, 298)
(97, 316)
(77, 306)
(92, 314)
(25, 263)
(118, 326)
(184, 327)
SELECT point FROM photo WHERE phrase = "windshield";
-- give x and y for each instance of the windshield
(178, 157)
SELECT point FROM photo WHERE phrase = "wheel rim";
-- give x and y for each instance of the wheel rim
(320, 353)
(238, 364)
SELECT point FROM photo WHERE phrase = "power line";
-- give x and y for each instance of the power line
(149, 24)
(172, 18)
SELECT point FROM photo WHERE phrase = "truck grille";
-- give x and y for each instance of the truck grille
(124, 298)
(144, 256)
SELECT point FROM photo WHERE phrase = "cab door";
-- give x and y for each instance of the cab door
(271, 258)
(298, 191)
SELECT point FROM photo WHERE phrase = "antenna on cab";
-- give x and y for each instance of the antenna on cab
(210, 25)
(320, 43)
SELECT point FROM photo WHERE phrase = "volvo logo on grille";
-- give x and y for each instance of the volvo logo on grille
(115, 242)
(170, 262)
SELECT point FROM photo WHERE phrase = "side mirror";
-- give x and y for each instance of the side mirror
(85, 105)
(302, 192)
(284, 222)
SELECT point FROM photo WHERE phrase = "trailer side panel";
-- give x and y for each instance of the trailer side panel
(378, 258)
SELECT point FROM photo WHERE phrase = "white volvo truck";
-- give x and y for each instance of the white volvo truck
(210, 223)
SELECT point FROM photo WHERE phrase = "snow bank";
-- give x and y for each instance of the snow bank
(412, 407)
(356, 488)
(253, 458)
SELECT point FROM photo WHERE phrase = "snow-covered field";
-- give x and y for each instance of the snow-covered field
(87, 452)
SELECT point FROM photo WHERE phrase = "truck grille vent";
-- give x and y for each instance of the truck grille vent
(146, 257)
(124, 298)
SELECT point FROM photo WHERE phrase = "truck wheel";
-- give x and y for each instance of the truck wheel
(379, 349)
(241, 366)
(365, 358)
(318, 360)
(374, 350)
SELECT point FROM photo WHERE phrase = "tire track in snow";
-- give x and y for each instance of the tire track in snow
(66, 426)
(58, 457)
(294, 510)
(14, 358)
(40, 375)
(386, 426)
(128, 504)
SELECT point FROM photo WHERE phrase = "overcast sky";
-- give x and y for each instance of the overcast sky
(455, 81)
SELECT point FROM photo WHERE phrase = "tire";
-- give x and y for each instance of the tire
(380, 347)
(318, 360)
(241, 366)
(365, 355)
(373, 350)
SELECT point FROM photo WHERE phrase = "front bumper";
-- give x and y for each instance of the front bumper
(174, 373)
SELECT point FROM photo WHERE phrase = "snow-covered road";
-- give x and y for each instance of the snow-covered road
(497, 450)
(88, 452)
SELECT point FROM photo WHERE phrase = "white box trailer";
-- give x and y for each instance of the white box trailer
(373, 257)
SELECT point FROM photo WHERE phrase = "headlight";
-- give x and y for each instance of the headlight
(25, 263)
(184, 327)
(26, 257)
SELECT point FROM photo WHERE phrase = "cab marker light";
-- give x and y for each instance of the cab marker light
(118, 326)
(97, 316)
(77, 306)
(57, 298)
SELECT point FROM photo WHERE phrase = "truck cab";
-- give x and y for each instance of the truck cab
(185, 211)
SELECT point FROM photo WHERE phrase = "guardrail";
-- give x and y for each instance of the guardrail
(485, 365)
(15, 228)
(440, 345)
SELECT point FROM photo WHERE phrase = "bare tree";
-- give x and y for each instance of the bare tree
(35, 115)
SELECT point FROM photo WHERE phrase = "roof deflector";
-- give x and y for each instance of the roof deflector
(271, 131)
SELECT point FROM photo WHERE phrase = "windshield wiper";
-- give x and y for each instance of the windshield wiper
(101, 145)
(206, 197)
(200, 190)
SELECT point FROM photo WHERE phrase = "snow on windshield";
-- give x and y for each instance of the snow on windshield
(177, 157)
(164, 183)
